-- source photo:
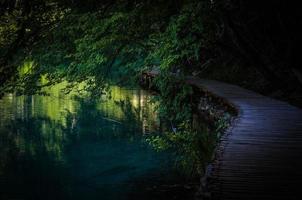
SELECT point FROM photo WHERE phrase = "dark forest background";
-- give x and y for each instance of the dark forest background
(255, 44)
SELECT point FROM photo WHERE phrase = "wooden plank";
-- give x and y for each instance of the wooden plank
(260, 156)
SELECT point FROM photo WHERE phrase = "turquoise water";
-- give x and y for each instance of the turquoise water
(62, 147)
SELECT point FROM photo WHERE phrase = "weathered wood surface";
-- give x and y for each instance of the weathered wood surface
(260, 156)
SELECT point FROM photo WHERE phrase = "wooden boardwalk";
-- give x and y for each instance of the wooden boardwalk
(260, 156)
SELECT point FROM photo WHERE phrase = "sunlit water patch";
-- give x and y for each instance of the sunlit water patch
(62, 147)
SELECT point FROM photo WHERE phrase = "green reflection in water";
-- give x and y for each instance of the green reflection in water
(67, 147)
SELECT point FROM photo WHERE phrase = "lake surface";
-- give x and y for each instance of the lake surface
(63, 147)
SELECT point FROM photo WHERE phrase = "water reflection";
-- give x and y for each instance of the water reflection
(67, 147)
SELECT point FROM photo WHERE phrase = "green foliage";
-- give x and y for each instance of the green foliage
(179, 50)
(180, 45)
(93, 46)
(174, 101)
(193, 146)
(8, 29)
(193, 149)
(114, 41)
